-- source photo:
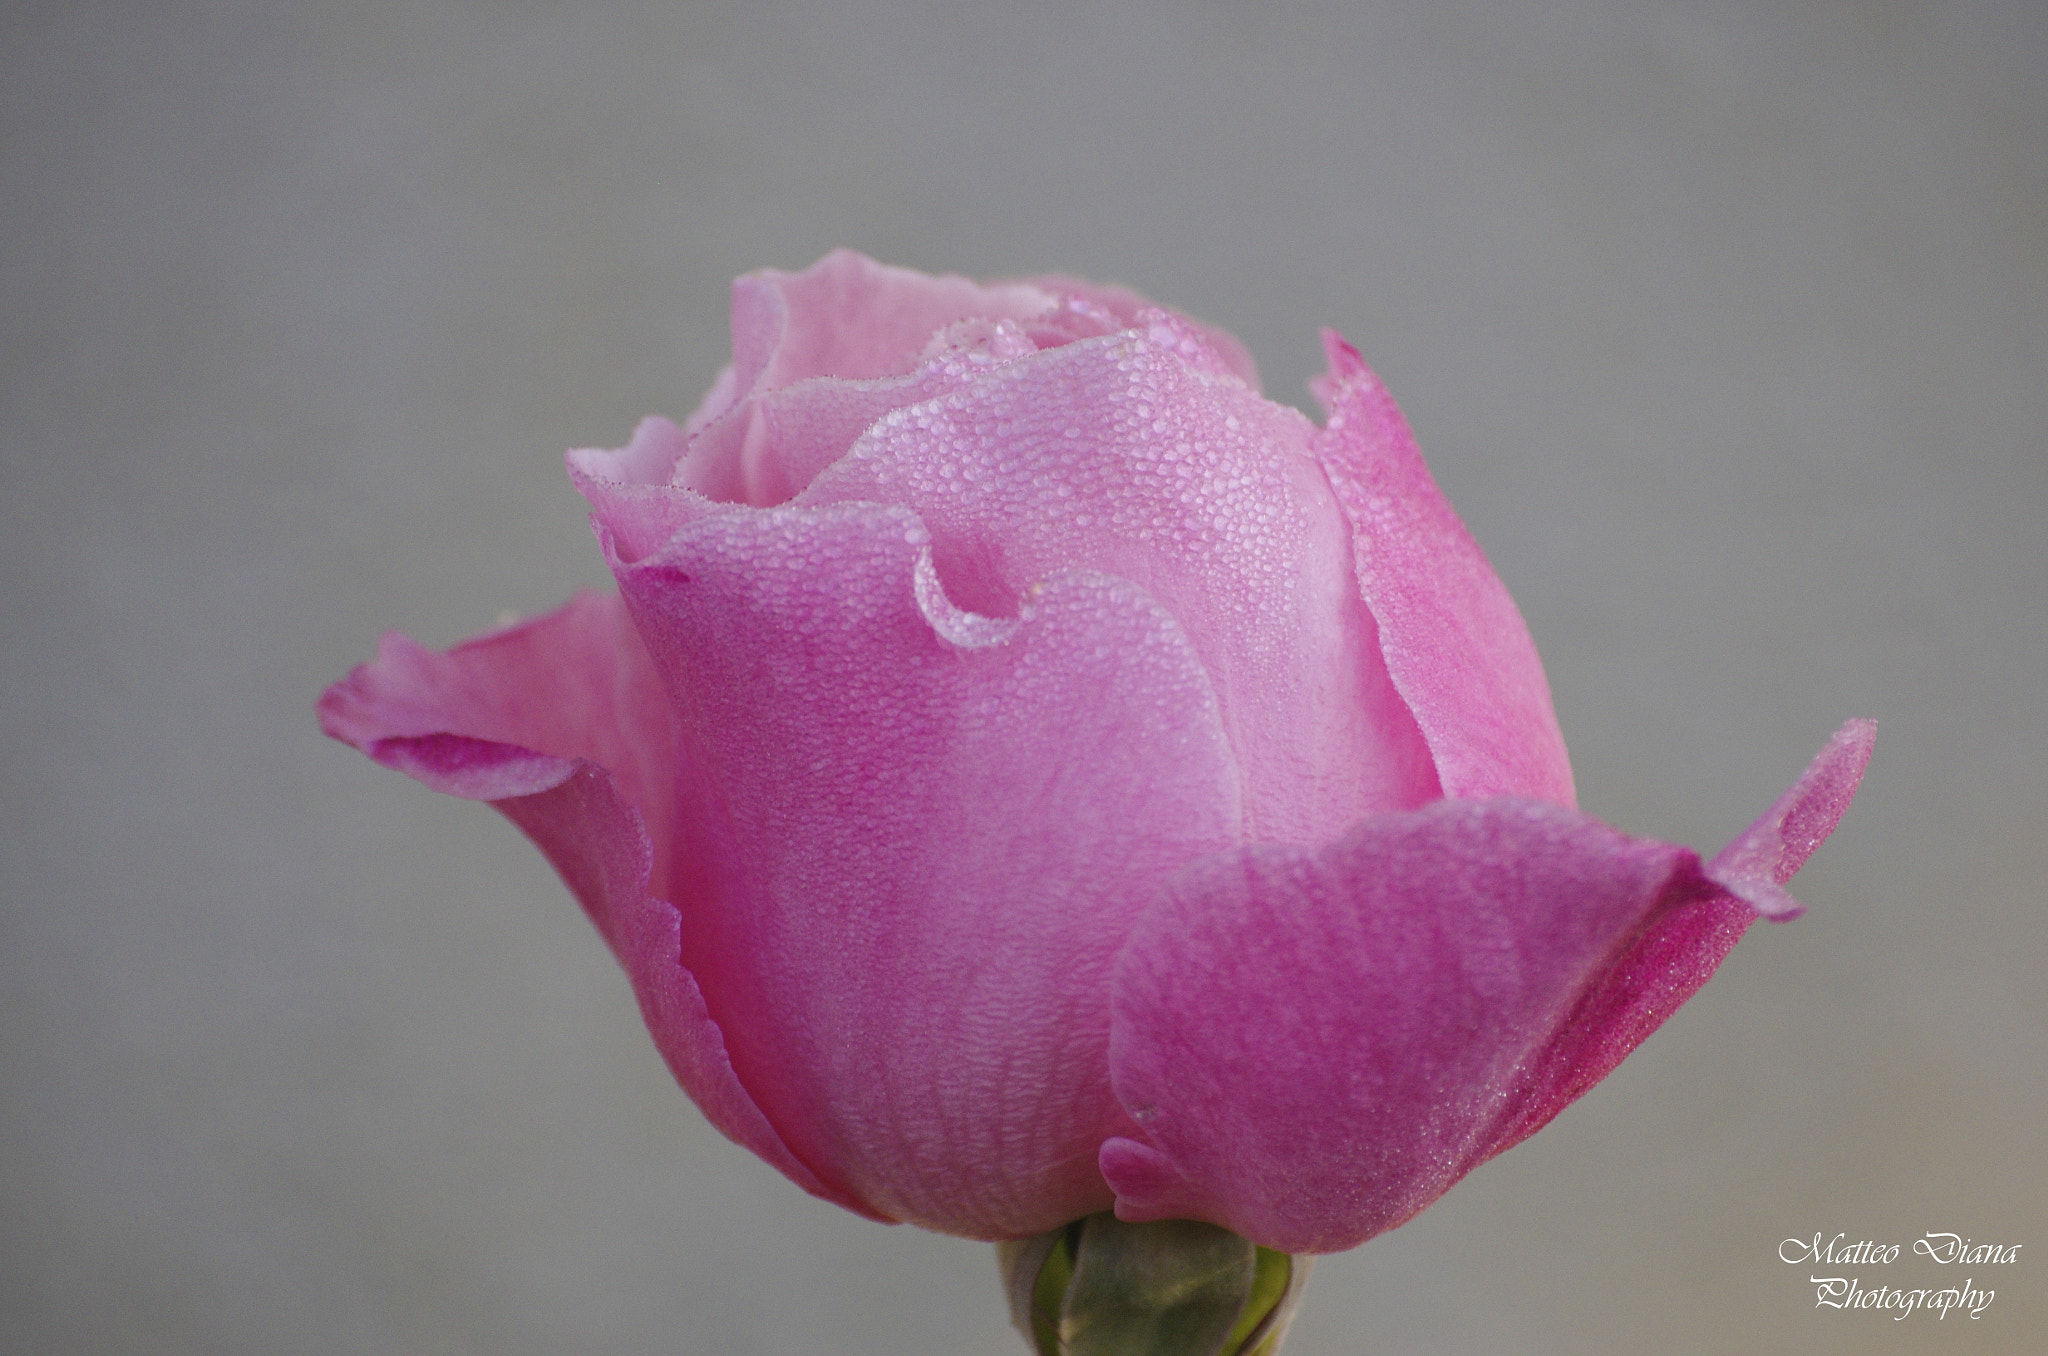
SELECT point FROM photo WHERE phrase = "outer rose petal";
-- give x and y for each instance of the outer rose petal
(1319, 1044)
(1453, 639)
(1140, 454)
(917, 842)
(561, 725)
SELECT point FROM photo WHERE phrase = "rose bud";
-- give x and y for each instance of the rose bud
(1026, 774)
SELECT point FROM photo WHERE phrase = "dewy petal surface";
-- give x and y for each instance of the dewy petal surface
(917, 841)
(794, 432)
(561, 724)
(1454, 642)
(1318, 1044)
(1142, 454)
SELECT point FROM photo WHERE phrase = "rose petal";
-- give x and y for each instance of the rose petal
(574, 684)
(1454, 642)
(1319, 1043)
(560, 723)
(918, 839)
(1136, 455)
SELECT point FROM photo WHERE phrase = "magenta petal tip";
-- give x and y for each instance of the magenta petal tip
(1756, 865)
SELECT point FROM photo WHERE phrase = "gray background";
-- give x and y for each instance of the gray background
(1726, 327)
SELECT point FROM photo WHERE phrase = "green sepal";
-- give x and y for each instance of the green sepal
(1271, 1275)
(1101, 1287)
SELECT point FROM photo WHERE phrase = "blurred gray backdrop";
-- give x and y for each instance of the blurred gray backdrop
(1724, 324)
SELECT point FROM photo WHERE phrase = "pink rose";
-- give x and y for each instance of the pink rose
(1024, 771)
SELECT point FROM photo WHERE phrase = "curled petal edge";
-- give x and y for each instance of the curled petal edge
(1755, 866)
